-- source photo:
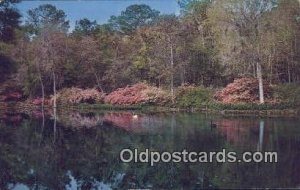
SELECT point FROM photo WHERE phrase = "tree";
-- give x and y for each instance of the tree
(90, 57)
(244, 31)
(85, 27)
(9, 28)
(281, 42)
(55, 47)
(117, 53)
(165, 38)
(46, 16)
(190, 6)
(135, 16)
(9, 20)
(198, 52)
(45, 59)
(48, 24)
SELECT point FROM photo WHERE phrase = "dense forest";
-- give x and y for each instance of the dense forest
(208, 45)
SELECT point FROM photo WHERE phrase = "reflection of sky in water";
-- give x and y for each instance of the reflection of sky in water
(19, 187)
(76, 185)
(98, 185)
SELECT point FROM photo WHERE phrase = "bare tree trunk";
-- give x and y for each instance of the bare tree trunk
(254, 70)
(260, 83)
(98, 81)
(294, 53)
(54, 91)
(182, 75)
(271, 68)
(289, 71)
(54, 105)
(159, 83)
(42, 87)
(172, 74)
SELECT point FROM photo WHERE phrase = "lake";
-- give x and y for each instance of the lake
(82, 150)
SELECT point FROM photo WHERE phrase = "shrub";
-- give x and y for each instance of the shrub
(289, 93)
(138, 94)
(243, 90)
(156, 96)
(191, 96)
(10, 91)
(77, 96)
(39, 101)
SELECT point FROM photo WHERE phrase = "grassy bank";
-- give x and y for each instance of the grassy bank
(269, 110)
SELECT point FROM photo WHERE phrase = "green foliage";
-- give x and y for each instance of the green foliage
(9, 20)
(46, 16)
(287, 93)
(85, 27)
(7, 66)
(253, 106)
(193, 97)
(140, 60)
(31, 84)
(194, 6)
(133, 17)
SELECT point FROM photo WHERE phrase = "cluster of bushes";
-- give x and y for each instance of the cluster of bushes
(39, 101)
(242, 90)
(71, 96)
(242, 94)
(138, 94)
(78, 95)
(10, 91)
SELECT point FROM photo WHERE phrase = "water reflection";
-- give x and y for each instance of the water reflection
(81, 150)
(77, 120)
(243, 131)
(133, 122)
(261, 135)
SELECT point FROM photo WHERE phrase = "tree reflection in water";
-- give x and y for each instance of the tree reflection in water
(85, 153)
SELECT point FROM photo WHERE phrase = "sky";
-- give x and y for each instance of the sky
(99, 10)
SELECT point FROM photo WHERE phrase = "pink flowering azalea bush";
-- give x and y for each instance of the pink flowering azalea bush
(138, 94)
(243, 90)
(78, 95)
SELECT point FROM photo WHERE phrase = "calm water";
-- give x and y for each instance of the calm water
(81, 151)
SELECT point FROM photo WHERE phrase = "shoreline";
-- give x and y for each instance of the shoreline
(262, 112)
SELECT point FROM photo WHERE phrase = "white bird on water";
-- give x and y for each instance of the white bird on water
(135, 116)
